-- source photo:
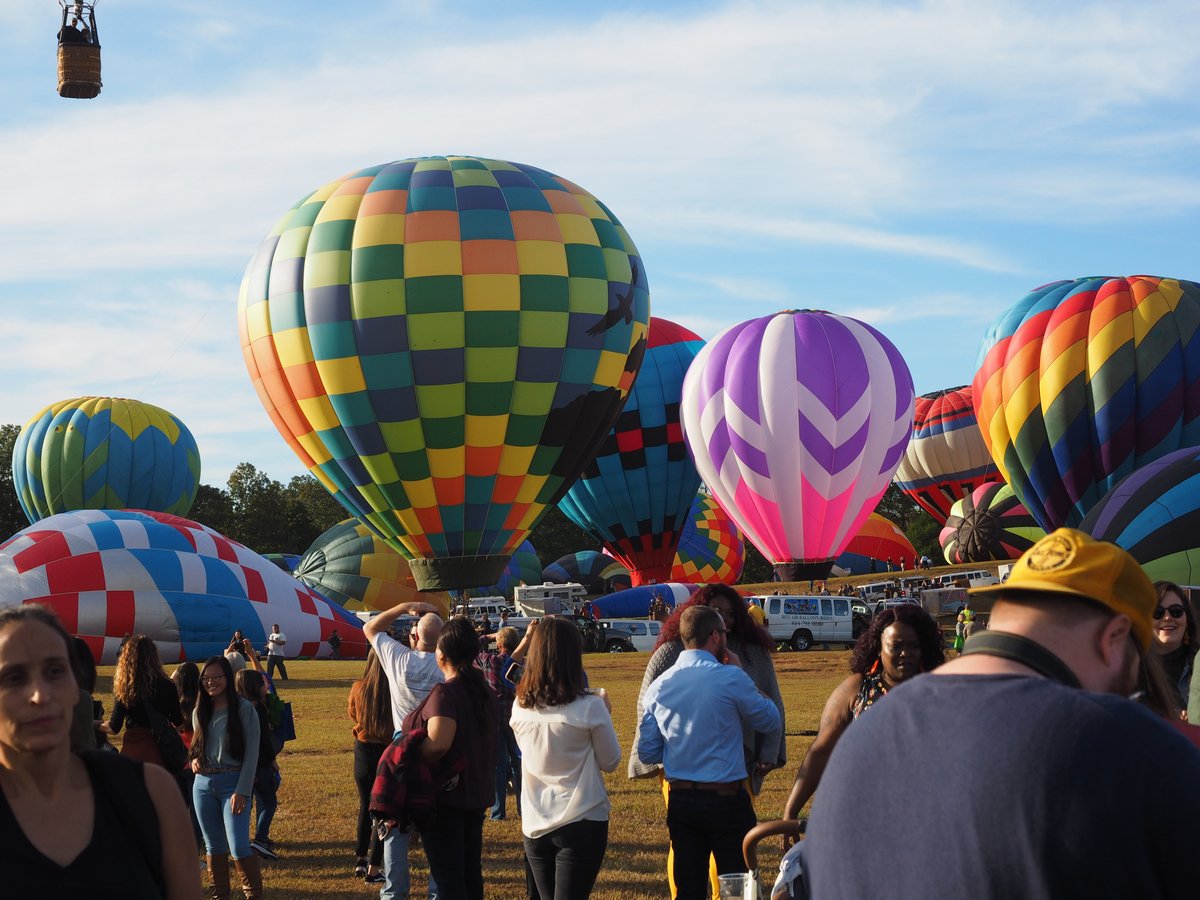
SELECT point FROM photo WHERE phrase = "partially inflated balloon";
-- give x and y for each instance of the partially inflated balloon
(989, 524)
(879, 539)
(797, 422)
(111, 573)
(355, 568)
(598, 573)
(636, 495)
(445, 342)
(1082, 382)
(711, 550)
(1154, 513)
(947, 457)
(105, 453)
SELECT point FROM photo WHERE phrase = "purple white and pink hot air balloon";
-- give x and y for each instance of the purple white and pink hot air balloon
(797, 422)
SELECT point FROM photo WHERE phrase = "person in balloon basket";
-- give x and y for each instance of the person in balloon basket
(412, 672)
(1073, 789)
(275, 653)
(690, 726)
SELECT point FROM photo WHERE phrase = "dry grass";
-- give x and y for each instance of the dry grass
(314, 827)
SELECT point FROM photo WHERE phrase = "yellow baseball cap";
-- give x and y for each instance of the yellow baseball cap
(1068, 561)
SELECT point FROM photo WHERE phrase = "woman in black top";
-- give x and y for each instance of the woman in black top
(139, 686)
(1174, 642)
(91, 825)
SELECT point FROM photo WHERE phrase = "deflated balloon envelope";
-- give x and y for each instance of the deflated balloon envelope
(797, 422)
(879, 539)
(599, 574)
(1082, 382)
(990, 523)
(444, 342)
(105, 453)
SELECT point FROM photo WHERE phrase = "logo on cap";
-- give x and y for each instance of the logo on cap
(1051, 553)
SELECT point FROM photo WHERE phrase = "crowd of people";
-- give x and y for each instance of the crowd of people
(1085, 668)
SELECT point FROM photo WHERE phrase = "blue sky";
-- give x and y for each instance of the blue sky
(917, 165)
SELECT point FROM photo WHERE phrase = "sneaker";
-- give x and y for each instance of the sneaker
(360, 867)
(377, 878)
(264, 849)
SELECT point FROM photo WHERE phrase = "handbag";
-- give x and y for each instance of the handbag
(166, 738)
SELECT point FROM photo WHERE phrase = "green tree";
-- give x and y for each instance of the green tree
(758, 568)
(322, 509)
(12, 518)
(556, 536)
(260, 511)
(214, 508)
(923, 533)
(897, 507)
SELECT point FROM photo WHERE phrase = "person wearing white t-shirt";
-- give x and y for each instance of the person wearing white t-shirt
(412, 674)
(275, 654)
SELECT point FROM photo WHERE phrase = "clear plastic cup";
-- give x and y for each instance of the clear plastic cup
(733, 887)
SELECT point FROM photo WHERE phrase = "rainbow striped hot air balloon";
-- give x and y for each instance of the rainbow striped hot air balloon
(1082, 382)
(597, 572)
(879, 539)
(445, 342)
(990, 523)
(947, 457)
(105, 453)
(711, 549)
(797, 422)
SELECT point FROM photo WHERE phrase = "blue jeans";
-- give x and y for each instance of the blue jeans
(223, 831)
(395, 868)
(508, 759)
(266, 795)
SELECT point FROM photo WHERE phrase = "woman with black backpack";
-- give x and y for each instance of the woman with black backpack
(144, 702)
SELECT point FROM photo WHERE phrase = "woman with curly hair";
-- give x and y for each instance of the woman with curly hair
(899, 643)
(750, 647)
(139, 686)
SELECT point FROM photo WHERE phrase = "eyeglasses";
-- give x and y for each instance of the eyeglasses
(212, 679)
(1175, 609)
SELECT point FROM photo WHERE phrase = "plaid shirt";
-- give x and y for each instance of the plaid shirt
(493, 664)
(406, 787)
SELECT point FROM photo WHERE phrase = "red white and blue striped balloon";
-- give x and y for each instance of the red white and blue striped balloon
(797, 422)
(109, 573)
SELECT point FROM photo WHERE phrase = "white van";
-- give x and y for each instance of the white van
(876, 590)
(803, 621)
(625, 635)
(974, 578)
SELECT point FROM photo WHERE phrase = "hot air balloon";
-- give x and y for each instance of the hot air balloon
(598, 573)
(635, 602)
(285, 561)
(797, 422)
(105, 453)
(109, 573)
(711, 550)
(523, 568)
(1154, 513)
(445, 342)
(991, 523)
(636, 495)
(946, 458)
(1082, 382)
(353, 567)
(880, 539)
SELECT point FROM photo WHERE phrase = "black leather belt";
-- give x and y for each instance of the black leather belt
(720, 787)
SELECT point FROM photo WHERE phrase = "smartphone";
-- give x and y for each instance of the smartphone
(514, 672)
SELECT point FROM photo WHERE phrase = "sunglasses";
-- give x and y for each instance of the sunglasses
(1175, 609)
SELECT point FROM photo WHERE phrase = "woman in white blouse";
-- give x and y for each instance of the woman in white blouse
(566, 737)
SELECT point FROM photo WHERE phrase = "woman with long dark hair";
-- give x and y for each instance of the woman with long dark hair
(252, 685)
(566, 737)
(458, 718)
(224, 755)
(141, 688)
(187, 685)
(1174, 643)
(900, 643)
(370, 709)
(94, 825)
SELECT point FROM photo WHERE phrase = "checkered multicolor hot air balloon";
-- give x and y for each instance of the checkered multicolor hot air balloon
(353, 567)
(445, 342)
(105, 453)
(597, 572)
(990, 523)
(946, 458)
(1082, 382)
(711, 550)
(636, 496)
(109, 573)
(1154, 513)
(879, 539)
(797, 422)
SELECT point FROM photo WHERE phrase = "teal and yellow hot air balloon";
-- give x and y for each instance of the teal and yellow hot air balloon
(445, 342)
(105, 453)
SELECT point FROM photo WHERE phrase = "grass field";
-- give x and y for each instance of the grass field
(314, 828)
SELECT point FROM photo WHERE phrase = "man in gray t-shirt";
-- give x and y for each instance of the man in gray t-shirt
(412, 673)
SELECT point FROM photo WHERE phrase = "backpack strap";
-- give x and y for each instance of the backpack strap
(121, 783)
(1026, 652)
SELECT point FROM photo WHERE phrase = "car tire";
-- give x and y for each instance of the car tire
(801, 640)
(616, 647)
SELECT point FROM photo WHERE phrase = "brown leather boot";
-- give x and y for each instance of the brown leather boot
(251, 874)
(218, 877)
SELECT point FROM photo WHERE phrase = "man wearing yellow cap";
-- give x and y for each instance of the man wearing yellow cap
(1019, 769)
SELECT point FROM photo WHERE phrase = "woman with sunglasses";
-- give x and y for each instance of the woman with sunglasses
(1174, 642)
(224, 756)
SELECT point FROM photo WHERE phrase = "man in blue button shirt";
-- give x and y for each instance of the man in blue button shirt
(692, 725)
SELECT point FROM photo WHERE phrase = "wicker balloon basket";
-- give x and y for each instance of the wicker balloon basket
(78, 71)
